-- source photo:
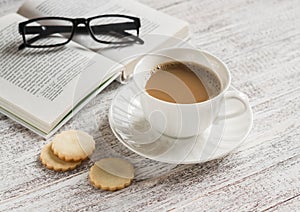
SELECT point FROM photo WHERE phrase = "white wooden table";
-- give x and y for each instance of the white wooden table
(260, 42)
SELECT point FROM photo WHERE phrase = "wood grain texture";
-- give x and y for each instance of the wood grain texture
(259, 41)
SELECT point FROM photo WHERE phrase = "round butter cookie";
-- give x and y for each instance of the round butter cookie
(108, 180)
(52, 162)
(73, 145)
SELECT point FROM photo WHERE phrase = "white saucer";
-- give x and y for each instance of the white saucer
(127, 122)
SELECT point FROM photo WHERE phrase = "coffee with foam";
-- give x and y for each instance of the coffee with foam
(183, 82)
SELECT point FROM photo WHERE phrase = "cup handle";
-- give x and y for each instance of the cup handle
(237, 96)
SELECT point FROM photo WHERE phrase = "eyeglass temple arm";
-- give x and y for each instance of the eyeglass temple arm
(51, 29)
(135, 38)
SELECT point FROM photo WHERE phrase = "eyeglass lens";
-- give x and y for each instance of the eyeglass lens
(48, 32)
(113, 29)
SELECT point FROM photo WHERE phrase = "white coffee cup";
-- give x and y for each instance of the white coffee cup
(185, 120)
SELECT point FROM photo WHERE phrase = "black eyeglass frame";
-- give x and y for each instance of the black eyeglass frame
(119, 27)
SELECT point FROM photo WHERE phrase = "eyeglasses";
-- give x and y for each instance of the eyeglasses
(57, 31)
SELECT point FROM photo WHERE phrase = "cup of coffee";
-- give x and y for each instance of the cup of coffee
(182, 90)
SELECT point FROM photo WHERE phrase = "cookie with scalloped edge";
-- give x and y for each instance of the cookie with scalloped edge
(73, 145)
(51, 161)
(113, 178)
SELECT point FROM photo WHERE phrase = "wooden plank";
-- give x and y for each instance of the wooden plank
(287, 205)
(233, 28)
(254, 193)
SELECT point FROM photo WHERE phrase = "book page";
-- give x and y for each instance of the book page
(9, 6)
(157, 28)
(42, 85)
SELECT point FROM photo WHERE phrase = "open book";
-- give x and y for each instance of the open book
(43, 88)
